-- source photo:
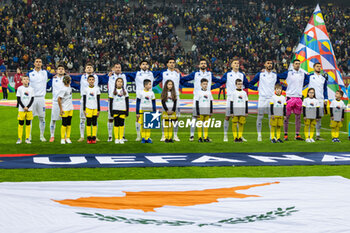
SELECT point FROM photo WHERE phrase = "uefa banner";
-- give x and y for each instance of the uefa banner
(298, 204)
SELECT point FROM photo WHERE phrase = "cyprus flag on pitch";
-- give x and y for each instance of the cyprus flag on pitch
(298, 204)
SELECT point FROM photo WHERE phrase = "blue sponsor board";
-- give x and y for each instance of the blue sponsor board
(174, 160)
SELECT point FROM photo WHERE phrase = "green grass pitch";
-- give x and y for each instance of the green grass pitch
(9, 123)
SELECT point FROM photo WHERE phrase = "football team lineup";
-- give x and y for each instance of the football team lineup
(31, 102)
(174, 116)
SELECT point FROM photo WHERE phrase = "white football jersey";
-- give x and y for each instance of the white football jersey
(146, 98)
(295, 82)
(119, 100)
(232, 76)
(66, 95)
(311, 106)
(267, 81)
(169, 102)
(317, 82)
(38, 81)
(111, 82)
(25, 94)
(337, 107)
(278, 104)
(204, 98)
(57, 85)
(173, 76)
(91, 96)
(140, 77)
(84, 82)
(197, 81)
(239, 99)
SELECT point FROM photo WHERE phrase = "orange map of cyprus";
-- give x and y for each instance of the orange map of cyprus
(150, 200)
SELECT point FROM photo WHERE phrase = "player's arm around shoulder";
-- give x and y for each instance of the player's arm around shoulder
(130, 76)
(187, 78)
(252, 83)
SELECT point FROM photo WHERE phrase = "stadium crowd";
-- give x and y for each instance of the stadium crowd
(73, 33)
(257, 31)
(104, 32)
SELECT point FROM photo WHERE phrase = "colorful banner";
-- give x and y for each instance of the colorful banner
(298, 204)
(315, 46)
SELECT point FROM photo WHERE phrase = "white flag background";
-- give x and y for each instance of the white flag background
(298, 204)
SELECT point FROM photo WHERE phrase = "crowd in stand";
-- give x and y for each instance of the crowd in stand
(73, 33)
(33, 30)
(256, 31)
(105, 32)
